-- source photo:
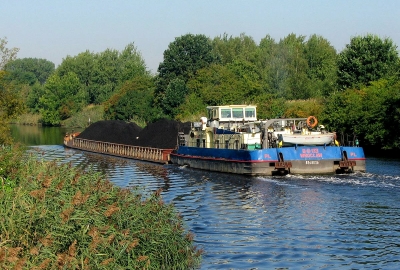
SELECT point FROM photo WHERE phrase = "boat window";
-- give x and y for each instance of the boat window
(225, 113)
(237, 112)
(204, 143)
(197, 142)
(250, 112)
(226, 144)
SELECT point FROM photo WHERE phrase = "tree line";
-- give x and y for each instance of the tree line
(355, 91)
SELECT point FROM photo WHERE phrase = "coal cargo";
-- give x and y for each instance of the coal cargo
(161, 134)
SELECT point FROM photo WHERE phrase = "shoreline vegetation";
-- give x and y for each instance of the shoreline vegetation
(90, 114)
(57, 216)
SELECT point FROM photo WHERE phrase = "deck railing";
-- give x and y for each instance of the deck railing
(121, 150)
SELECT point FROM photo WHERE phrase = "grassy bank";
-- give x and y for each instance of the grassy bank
(55, 216)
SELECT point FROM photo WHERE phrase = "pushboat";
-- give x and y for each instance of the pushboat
(232, 140)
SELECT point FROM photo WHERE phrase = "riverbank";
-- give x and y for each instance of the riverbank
(59, 216)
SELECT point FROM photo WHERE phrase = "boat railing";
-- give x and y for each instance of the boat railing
(221, 145)
(122, 150)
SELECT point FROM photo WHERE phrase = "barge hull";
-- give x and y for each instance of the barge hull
(121, 150)
(278, 161)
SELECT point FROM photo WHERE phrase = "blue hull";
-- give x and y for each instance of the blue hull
(271, 161)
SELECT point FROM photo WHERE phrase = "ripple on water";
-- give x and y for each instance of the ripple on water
(294, 222)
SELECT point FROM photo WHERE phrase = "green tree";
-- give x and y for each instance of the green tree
(174, 96)
(183, 58)
(192, 108)
(235, 83)
(288, 69)
(297, 83)
(32, 100)
(235, 48)
(371, 113)
(131, 64)
(82, 65)
(103, 73)
(133, 101)
(366, 59)
(10, 107)
(321, 57)
(10, 104)
(6, 54)
(105, 76)
(62, 97)
(269, 106)
(29, 70)
(265, 60)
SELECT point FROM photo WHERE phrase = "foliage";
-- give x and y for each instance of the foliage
(102, 73)
(132, 101)
(303, 108)
(10, 160)
(366, 59)
(234, 83)
(6, 54)
(62, 97)
(269, 106)
(235, 48)
(58, 217)
(83, 118)
(183, 58)
(28, 119)
(371, 113)
(322, 67)
(29, 70)
(191, 109)
(174, 96)
(33, 97)
(10, 107)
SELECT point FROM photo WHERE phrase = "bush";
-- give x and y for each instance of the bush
(82, 119)
(60, 217)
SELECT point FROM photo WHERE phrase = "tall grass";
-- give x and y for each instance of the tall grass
(28, 119)
(82, 119)
(59, 217)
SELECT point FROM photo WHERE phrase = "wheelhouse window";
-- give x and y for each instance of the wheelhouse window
(226, 113)
(237, 112)
(250, 112)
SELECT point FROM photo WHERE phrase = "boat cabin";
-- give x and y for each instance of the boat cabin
(232, 113)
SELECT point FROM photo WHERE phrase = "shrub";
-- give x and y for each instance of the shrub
(61, 217)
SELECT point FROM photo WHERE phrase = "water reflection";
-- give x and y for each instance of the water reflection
(38, 135)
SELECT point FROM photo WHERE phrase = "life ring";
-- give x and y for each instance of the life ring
(312, 121)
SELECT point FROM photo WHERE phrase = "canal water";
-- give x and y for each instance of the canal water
(292, 222)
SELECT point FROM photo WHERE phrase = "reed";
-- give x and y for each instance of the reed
(28, 119)
(58, 217)
(84, 118)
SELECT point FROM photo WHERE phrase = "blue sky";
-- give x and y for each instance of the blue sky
(55, 29)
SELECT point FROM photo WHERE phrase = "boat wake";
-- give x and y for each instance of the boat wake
(356, 179)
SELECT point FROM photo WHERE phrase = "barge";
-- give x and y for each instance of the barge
(232, 140)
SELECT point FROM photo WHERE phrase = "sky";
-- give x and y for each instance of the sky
(55, 29)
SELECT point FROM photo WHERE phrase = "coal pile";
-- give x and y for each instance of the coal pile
(161, 134)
